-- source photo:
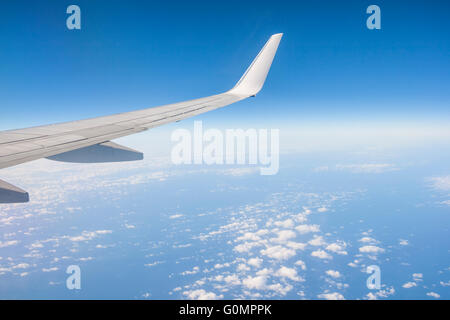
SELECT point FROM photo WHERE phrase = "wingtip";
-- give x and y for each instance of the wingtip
(253, 79)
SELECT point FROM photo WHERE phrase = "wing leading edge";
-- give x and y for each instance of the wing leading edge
(89, 140)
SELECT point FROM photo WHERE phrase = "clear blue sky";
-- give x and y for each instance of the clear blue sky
(135, 54)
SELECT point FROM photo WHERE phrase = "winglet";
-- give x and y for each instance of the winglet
(253, 79)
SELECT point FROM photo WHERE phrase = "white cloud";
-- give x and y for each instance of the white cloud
(89, 235)
(232, 279)
(445, 284)
(433, 294)
(338, 247)
(384, 293)
(331, 296)
(371, 249)
(333, 273)
(152, 264)
(288, 223)
(321, 254)
(296, 245)
(21, 266)
(249, 236)
(189, 272)
(307, 228)
(278, 252)
(255, 262)
(237, 172)
(8, 243)
(417, 276)
(246, 247)
(403, 242)
(367, 167)
(440, 183)
(290, 273)
(301, 217)
(284, 235)
(409, 285)
(281, 290)
(368, 240)
(242, 267)
(146, 295)
(258, 282)
(317, 241)
(301, 264)
(264, 272)
(37, 244)
(86, 258)
(201, 294)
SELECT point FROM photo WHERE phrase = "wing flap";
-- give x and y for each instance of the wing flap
(12, 194)
(98, 153)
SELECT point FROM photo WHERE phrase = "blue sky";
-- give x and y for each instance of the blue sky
(136, 54)
(363, 118)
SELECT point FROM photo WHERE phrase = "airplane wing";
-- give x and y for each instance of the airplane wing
(88, 141)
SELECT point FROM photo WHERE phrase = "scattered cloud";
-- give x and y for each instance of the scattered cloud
(409, 285)
(301, 264)
(445, 284)
(440, 183)
(278, 252)
(368, 240)
(434, 295)
(89, 235)
(371, 249)
(258, 282)
(290, 273)
(317, 241)
(255, 262)
(337, 247)
(8, 243)
(333, 273)
(383, 293)
(201, 294)
(367, 167)
(190, 272)
(321, 254)
(417, 276)
(307, 228)
(331, 296)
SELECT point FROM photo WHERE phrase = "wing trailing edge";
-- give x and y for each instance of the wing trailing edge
(99, 153)
(12, 194)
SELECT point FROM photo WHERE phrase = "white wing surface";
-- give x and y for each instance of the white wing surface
(90, 140)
